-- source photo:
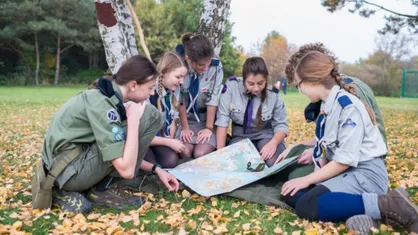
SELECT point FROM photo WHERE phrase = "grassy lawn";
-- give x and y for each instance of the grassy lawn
(26, 113)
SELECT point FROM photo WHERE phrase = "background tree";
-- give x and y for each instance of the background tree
(117, 31)
(275, 51)
(394, 22)
(23, 21)
(213, 21)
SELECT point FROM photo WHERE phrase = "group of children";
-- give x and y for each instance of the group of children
(114, 133)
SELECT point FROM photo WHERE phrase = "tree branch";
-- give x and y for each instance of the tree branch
(66, 48)
(383, 8)
(140, 31)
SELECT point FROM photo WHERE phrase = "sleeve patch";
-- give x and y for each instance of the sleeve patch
(112, 115)
(349, 123)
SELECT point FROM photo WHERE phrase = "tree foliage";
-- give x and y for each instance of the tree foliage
(395, 21)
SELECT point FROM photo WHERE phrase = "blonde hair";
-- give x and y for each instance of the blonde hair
(168, 63)
(319, 68)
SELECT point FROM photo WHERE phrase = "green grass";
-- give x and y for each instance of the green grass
(21, 142)
(38, 95)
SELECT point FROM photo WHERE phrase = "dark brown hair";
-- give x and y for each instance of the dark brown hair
(319, 68)
(197, 47)
(136, 68)
(256, 66)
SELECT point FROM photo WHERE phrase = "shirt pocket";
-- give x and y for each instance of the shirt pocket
(237, 114)
(266, 114)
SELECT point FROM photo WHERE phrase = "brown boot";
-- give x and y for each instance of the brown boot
(395, 206)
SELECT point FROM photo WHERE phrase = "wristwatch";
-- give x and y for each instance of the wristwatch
(155, 167)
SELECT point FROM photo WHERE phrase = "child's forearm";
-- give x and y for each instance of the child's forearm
(328, 171)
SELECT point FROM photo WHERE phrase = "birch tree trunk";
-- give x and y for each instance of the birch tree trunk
(118, 34)
(213, 20)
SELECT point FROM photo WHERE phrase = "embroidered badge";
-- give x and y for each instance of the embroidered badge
(119, 137)
(112, 115)
(348, 123)
(119, 133)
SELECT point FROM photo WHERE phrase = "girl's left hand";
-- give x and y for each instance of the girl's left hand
(268, 151)
(204, 136)
(293, 186)
(168, 179)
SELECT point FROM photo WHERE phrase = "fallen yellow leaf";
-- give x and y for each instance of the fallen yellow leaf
(17, 225)
(186, 194)
(278, 230)
(246, 226)
(236, 215)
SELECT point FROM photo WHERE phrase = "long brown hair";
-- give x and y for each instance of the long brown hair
(319, 68)
(256, 66)
(168, 62)
(136, 68)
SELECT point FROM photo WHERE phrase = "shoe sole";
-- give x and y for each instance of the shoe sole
(112, 206)
(362, 224)
(407, 200)
(86, 205)
(403, 192)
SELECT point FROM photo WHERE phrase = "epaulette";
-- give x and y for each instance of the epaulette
(344, 101)
(348, 80)
(180, 50)
(214, 62)
(233, 78)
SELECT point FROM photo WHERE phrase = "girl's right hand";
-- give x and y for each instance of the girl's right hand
(283, 155)
(176, 145)
(134, 111)
(186, 135)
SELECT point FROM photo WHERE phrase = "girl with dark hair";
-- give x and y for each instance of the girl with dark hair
(256, 110)
(200, 91)
(165, 149)
(94, 140)
(350, 177)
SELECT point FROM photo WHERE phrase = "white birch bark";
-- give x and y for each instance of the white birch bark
(117, 31)
(213, 20)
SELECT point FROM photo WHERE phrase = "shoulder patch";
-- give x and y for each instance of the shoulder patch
(344, 101)
(215, 62)
(348, 80)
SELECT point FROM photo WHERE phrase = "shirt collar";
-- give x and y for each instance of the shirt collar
(117, 89)
(327, 106)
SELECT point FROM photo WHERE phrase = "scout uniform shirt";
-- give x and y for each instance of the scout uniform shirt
(201, 90)
(169, 113)
(86, 118)
(345, 132)
(242, 109)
